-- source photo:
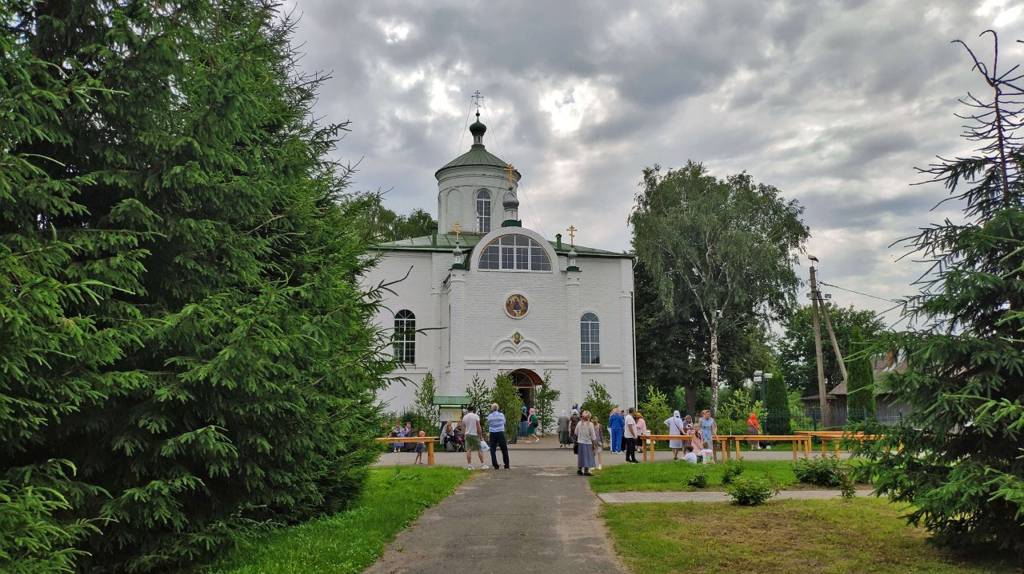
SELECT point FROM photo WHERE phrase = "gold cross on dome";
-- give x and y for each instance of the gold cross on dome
(572, 235)
(510, 170)
(457, 230)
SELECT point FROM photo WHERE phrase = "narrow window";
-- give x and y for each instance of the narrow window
(590, 339)
(405, 337)
(483, 211)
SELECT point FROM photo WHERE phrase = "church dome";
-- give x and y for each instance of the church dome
(477, 156)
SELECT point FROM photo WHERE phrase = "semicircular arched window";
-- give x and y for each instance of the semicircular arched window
(483, 211)
(514, 252)
(590, 339)
(405, 337)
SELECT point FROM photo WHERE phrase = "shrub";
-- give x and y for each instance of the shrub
(751, 491)
(545, 400)
(847, 487)
(424, 403)
(599, 402)
(655, 409)
(823, 471)
(732, 471)
(507, 397)
(699, 480)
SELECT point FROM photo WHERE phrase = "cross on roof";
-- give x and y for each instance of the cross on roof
(477, 99)
(457, 230)
(509, 170)
(572, 235)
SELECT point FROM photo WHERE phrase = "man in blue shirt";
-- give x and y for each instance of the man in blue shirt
(616, 423)
(496, 426)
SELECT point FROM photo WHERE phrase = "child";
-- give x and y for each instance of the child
(597, 442)
(420, 447)
(707, 454)
(690, 456)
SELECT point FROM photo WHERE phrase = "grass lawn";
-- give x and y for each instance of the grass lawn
(827, 536)
(667, 476)
(352, 540)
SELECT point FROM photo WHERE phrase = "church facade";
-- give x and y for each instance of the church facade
(484, 296)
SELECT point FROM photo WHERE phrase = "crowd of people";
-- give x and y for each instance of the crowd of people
(580, 430)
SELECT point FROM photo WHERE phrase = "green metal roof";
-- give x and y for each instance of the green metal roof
(451, 401)
(445, 242)
(476, 156)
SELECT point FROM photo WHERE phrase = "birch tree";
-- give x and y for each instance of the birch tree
(724, 247)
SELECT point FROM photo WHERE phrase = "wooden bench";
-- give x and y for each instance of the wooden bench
(799, 443)
(429, 440)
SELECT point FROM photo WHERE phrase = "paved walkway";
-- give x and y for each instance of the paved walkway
(523, 520)
(713, 496)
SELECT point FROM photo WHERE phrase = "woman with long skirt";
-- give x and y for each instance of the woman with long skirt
(586, 436)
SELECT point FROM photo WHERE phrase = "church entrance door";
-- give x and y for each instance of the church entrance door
(526, 382)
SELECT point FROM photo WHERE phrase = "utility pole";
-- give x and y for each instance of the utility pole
(822, 399)
(835, 343)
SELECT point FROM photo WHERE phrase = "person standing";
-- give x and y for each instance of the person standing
(675, 426)
(563, 430)
(598, 440)
(575, 420)
(586, 436)
(641, 433)
(532, 422)
(616, 423)
(629, 435)
(708, 430)
(496, 427)
(471, 426)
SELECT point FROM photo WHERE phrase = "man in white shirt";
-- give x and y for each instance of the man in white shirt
(629, 435)
(471, 426)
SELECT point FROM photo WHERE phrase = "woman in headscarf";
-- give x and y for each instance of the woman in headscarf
(675, 426)
(573, 422)
(563, 430)
(586, 436)
(532, 421)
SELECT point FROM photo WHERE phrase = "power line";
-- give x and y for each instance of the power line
(858, 292)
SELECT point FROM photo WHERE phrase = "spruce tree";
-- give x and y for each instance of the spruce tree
(957, 457)
(180, 277)
(860, 391)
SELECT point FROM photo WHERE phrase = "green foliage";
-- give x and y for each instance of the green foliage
(179, 302)
(737, 404)
(731, 472)
(509, 402)
(847, 486)
(823, 471)
(798, 419)
(699, 480)
(719, 255)
(655, 409)
(415, 418)
(751, 491)
(796, 347)
(776, 415)
(378, 223)
(956, 458)
(479, 394)
(860, 399)
(545, 400)
(598, 401)
(424, 403)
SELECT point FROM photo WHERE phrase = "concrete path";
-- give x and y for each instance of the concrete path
(527, 519)
(713, 496)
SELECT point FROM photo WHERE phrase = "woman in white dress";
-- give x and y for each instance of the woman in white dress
(675, 426)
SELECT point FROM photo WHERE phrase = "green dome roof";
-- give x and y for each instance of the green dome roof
(477, 154)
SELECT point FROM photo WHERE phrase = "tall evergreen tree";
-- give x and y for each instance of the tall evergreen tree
(776, 404)
(180, 277)
(957, 457)
(860, 390)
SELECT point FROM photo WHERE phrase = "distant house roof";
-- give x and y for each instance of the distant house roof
(445, 242)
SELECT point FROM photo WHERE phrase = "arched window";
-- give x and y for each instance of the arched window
(483, 211)
(514, 252)
(590, 339)
(405, 337)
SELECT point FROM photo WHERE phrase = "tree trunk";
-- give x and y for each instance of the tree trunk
(691, 398)
(714, 366)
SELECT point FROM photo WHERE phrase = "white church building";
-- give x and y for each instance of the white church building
(484, 295)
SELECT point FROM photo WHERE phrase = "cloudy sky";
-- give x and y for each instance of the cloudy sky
(833, 102)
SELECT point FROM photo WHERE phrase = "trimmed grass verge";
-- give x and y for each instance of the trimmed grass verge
(827, 536)
(352, 540)
(673, 476)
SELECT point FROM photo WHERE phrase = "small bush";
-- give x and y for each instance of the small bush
(847, 487)
(824, 471)
(732, 472)
(699, 480)
(748, 491)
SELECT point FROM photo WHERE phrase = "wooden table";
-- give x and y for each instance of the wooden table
(799, 443)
